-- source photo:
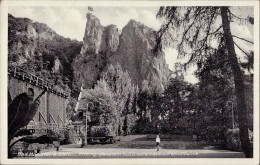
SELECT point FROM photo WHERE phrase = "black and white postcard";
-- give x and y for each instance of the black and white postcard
(129, 82)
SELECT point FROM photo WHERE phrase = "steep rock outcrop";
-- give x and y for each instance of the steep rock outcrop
(25, 38)
(132, 49)
(56, 66)
(93, 35)
(99, 43)
(135, 55)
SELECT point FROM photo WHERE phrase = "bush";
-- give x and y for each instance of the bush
(71, 137)
(143, 126)
(129, 123)
(215, 133)
(233, 140)
(100, 131)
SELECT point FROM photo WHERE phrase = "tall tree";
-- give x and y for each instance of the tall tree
(103, 112)
(239, 84)
(196, 29)
(117, 85)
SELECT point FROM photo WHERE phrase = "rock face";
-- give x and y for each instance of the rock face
(132, 49)
(24, 39)
(93, 35)
(56, 66)
(99, 43)
(39, 50)
(135, 55)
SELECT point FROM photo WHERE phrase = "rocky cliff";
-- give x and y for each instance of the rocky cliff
(38, 49)
(25, 38)
(99, 44)
(132, 49)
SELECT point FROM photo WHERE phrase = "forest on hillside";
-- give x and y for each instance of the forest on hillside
(47, 46)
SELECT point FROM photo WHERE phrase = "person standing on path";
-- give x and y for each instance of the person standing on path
(158, 140)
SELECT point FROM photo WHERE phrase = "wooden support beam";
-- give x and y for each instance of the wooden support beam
(53, 119)
(43, 117)
(61, 120)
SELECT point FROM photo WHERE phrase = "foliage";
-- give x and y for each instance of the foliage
(70, 107)
(113, 98)
(233, 141)
(71, 136)
(21, 111)
(196, 27)
(129, 123)
(249, 86)
(47, 45)
(103, 111)
(37, 54)
(17, 25)
(120, 84)
(99, 131)
(56, 133)
(207, 111)
(143, 126)
(143, 99)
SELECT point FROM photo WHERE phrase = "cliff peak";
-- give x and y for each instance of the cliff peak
(131, 49)
(91, 17)
(135, 24)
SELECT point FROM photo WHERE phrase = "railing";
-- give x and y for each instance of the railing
(20, 74)
(44, 127)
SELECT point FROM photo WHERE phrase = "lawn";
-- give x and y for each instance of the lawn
(138, 146)
(141, 142)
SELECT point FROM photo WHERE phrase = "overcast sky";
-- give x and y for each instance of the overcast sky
(71, 21)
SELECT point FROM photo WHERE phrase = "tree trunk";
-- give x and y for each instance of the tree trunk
(239, 85)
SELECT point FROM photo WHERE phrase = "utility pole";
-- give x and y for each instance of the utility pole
(86, 135)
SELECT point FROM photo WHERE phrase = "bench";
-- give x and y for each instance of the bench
(162, 137)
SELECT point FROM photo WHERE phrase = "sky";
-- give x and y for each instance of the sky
(71, 21)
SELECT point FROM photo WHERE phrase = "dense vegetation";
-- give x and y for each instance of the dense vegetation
(47, 46)
(196, 27)
(112, 101)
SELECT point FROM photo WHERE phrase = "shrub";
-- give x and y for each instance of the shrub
(71, 137)
(233, 140)
(99, 131)
(143, 126)
(215, 133)
(129, 123)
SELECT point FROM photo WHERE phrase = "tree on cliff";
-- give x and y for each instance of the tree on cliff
(196, 28)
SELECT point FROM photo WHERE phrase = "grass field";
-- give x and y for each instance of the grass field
(141, 142)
